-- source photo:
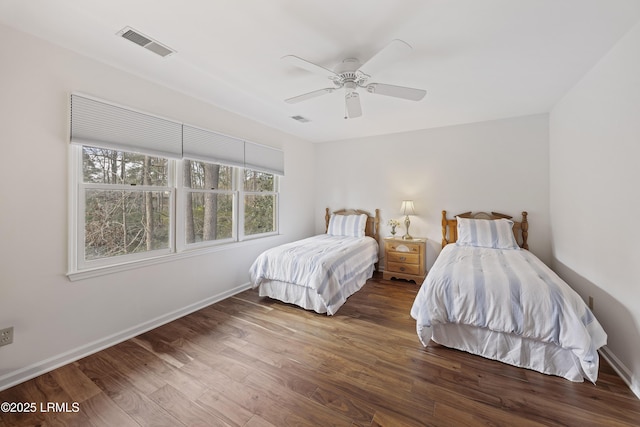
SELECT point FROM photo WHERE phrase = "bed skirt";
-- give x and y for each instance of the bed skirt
(508, 348)
(308, 298)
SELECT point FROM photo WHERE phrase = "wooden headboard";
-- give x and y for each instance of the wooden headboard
(450, 226)
(373, 222)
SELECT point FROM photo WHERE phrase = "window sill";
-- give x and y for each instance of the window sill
(188, 253)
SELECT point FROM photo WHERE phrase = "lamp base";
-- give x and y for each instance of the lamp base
(407, 223)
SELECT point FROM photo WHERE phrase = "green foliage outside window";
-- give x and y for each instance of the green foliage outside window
(128, 202)
(259, 214)
(259, 203)
(127, 220)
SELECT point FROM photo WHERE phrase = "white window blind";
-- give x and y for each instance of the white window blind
(212, 147)
(100, 124)
(263, 158)
(109, 126)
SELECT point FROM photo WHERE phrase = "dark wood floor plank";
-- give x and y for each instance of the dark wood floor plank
(187, 411)
(254, 362)
(119, 360)
(103, 412)
(382, 418)
(279, 371)
(12, 415)
(139, 406)
(167, 371)
(75, 383)
(359, 411)
(224, 408)
(469, 413)
(257, 421)
(312, 410)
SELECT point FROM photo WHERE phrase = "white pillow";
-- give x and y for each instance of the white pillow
(496, 234)
(347, 225)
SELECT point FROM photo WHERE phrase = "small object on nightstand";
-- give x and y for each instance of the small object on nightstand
(405, 259)
(393, 223)
(407, 209)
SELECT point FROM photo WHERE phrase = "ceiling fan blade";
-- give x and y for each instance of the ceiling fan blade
(309, 66)
(389, 54)
(354, 109)
(396, 91)
(309, 95)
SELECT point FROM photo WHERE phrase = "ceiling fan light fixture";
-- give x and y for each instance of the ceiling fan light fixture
(350, 86)
(352, 102)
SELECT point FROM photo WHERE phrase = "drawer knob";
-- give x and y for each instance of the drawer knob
(402, 268)
(403, 258)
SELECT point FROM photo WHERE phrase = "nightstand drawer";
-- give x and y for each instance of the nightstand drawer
(404, 257)
(404, 247)
(403, 268)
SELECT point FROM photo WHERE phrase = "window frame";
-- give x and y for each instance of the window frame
(80, 263)
(80, 268)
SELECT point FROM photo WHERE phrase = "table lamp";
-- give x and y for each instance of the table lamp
(407, 209)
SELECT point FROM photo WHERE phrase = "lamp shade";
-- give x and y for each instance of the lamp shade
(407, 207)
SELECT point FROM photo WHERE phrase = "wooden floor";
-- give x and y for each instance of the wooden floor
(249, 361)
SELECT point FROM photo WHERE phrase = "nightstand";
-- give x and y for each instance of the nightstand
(405, 259)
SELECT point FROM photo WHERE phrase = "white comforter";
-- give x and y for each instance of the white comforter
(323, 263)
(508, 291)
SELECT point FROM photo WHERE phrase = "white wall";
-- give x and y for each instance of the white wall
(500, 165)
(595, 201)
(56, 320)
(503, 165)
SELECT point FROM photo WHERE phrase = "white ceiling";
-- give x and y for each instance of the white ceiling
(478, 59)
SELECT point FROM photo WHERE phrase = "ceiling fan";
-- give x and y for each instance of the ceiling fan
(351, 74)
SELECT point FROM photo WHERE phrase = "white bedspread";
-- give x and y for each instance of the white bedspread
(322, 263)
(508, 291)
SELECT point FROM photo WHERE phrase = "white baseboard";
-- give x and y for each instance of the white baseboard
(24, 374)
(621, 370)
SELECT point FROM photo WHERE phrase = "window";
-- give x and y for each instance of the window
(126, 202)
(260, 201)
(126, 205)
(144, 187)
(209, 202)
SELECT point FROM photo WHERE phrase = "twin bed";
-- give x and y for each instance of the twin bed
(486, 294)
(319, 273)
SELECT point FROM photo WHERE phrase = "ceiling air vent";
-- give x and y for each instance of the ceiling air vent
(300, 119)
(144, 41)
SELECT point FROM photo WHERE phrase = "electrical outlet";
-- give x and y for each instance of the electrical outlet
(6, 336)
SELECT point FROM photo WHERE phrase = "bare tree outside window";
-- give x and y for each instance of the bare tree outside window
(209, 201)
(126, 204)
(123, 212)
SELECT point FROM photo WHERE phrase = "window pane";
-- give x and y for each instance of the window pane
(104, 166)
(209, 216)
(258, 181)
(259, 213)
(207, 176)
(125, 222)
